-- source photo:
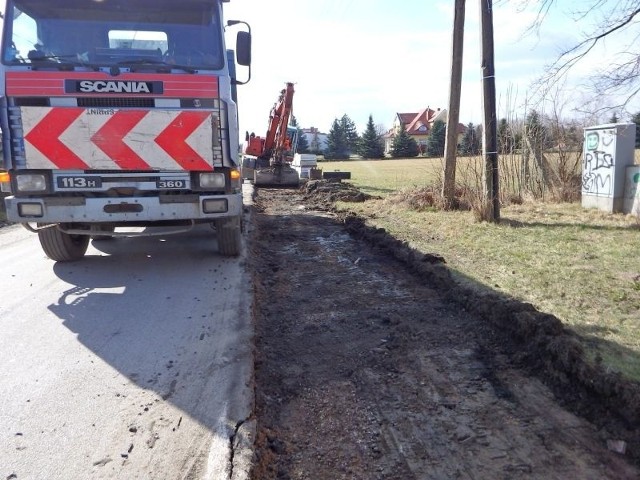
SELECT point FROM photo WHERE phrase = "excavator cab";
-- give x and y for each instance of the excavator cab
(291, 144)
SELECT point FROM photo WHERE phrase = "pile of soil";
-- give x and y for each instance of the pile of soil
(371, 362)
(322, 194)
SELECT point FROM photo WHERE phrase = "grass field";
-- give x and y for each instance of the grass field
(581, 265)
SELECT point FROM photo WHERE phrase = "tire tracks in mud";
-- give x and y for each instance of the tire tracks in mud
(367, 371)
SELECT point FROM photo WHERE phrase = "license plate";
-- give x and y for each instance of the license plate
(78, 182)
(170, 184)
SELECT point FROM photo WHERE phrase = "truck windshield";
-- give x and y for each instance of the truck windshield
(113, 32)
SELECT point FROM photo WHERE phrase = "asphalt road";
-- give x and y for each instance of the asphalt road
(132, 363)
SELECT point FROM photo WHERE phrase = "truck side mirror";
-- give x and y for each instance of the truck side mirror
(243, 48)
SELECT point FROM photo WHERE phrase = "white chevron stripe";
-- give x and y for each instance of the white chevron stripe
(142, 139)
(201, 141)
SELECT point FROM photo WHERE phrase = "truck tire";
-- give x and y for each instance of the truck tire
(62, 247)
(229, 233)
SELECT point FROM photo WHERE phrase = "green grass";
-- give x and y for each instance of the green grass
(581, 265)
(382, 177)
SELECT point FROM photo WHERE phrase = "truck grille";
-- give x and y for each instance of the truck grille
(115, 102)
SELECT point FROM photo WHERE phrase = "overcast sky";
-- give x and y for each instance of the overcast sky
(380, 57)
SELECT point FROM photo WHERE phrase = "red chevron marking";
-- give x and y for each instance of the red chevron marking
(110, 139)
(45, 136)
(173, 140)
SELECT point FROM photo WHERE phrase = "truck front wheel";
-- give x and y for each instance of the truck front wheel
(62, 247)
(228, 231)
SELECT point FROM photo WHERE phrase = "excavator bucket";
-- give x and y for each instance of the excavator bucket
(276, 176)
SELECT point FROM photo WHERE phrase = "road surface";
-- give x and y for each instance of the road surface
(132, 363)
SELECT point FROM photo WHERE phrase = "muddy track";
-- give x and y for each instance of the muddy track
(370, 366)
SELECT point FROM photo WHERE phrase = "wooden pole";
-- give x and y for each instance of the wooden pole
(489, 138)
(455, 86)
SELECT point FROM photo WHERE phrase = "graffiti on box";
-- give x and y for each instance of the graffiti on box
(598, 162)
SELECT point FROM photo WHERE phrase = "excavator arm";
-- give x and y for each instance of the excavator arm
(270, 150)
(275, 144)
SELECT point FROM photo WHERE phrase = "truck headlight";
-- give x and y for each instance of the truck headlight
(212, 181)
(31, 182)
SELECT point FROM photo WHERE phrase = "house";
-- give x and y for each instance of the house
(316, 140)
(418, 126)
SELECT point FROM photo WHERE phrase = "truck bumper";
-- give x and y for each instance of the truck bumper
(116, 210)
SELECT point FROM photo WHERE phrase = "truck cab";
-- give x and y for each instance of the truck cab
(119, 113)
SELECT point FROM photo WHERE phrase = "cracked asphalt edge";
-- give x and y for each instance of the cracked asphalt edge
(242, 438)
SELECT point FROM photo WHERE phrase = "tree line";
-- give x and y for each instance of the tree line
(542, 131)
(343, 140)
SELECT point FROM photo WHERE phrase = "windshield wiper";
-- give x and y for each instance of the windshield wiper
(162, 63)
(61, 62)
(36, 55)
(63, 65)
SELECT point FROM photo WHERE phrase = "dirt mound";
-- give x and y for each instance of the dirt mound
(322, 194)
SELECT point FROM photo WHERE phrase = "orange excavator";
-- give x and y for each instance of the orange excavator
(270, 156)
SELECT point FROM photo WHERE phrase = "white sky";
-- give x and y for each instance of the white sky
(381, 57)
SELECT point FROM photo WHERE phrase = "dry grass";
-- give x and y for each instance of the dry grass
(580, 265)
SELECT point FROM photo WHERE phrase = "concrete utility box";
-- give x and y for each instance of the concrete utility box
(303, 163)
(608, 151)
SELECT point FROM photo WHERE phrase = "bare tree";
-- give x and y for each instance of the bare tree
(615, 18)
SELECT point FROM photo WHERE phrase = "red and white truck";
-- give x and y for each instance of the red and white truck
(120, 113)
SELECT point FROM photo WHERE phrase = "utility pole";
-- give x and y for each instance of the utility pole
(489, 138)
(455, 86)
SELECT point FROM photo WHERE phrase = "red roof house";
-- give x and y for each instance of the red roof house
(418, 126)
